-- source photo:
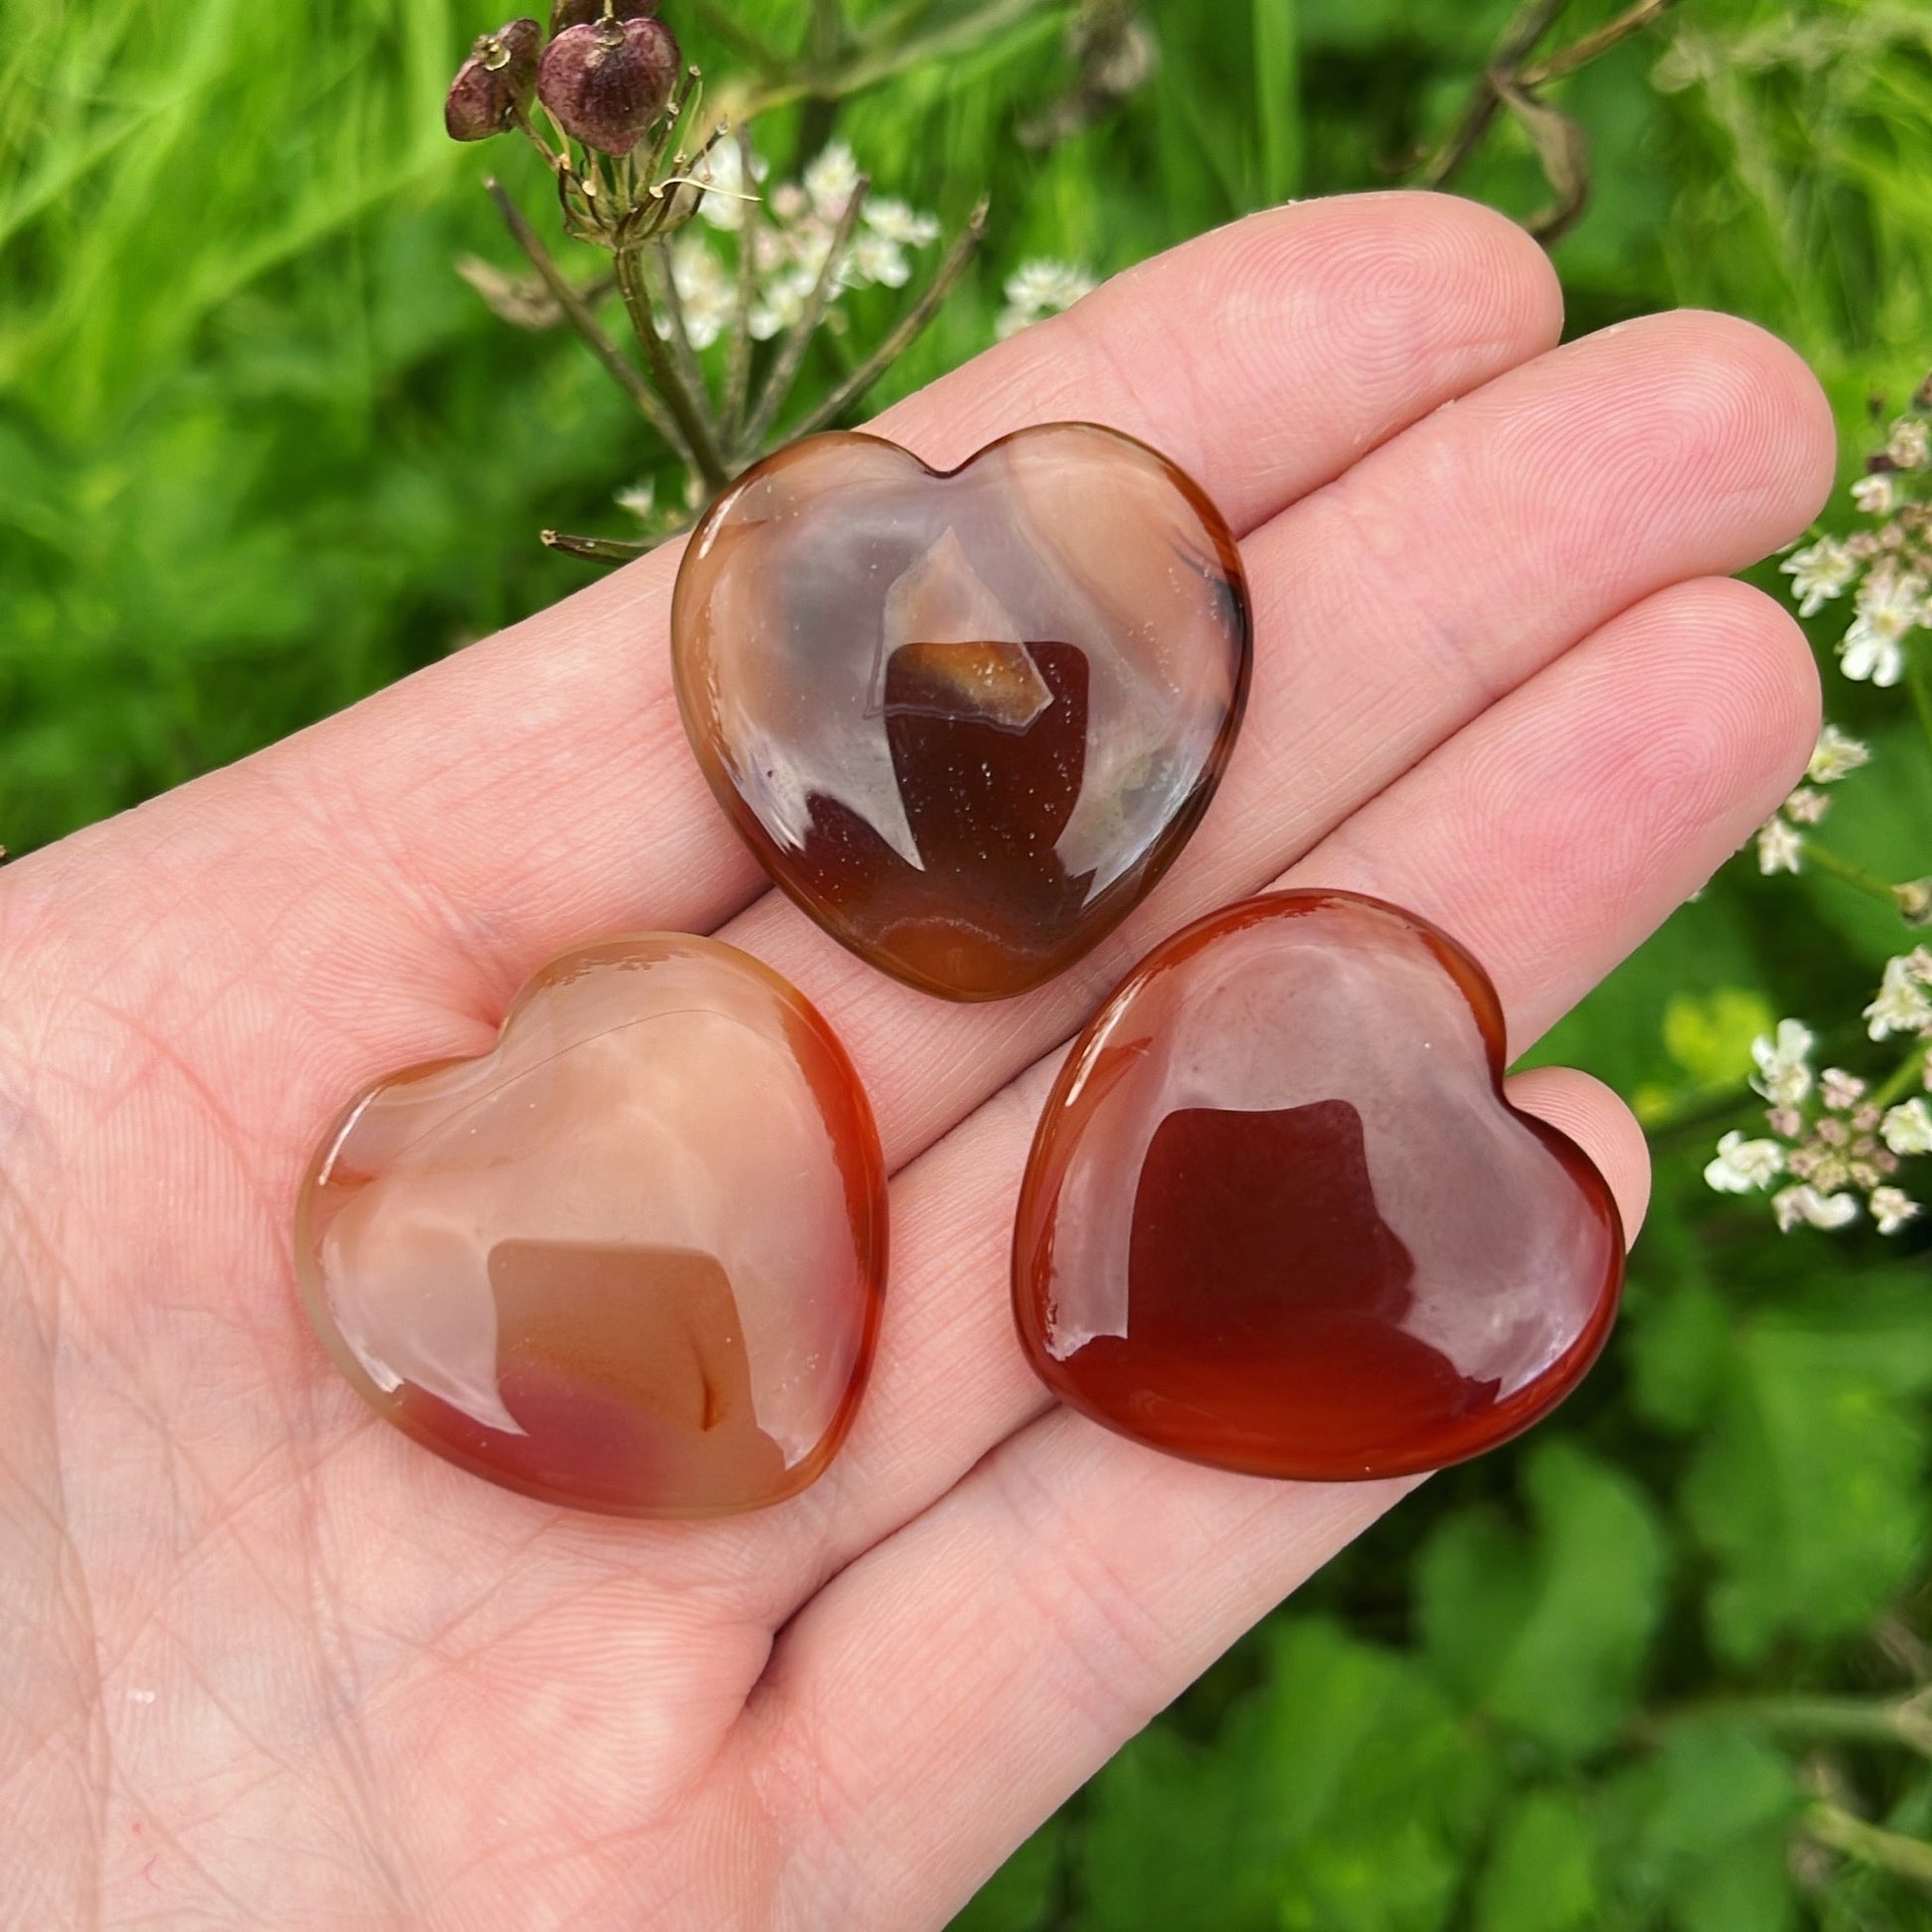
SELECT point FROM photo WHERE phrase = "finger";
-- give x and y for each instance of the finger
(1704, 700)
(1036, 1617)
(1453, 563)
(536, 789)
(1581, 1106)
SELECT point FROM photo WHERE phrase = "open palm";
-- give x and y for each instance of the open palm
(268, 1663)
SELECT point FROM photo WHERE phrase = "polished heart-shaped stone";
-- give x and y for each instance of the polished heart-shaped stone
(965, 720)
(1280, 1218)
(631, 1259)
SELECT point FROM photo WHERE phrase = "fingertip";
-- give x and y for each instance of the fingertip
(1581, 1107)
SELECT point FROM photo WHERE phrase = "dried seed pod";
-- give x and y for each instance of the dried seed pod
(608, 81)
(495, 80)
(567, 14)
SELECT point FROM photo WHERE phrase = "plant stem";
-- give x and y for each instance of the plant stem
(1904, 1858)
(723, 21)
(1918, 675)
(1828, 861)
(791, 352)
(907, 332)
(1907, 1074)
(1868, 1720)
(737, 354)
(1580, 53)
(578, 314)
(662, 280)
(601, 551)
(877, 55)
(697, 434)
(1533, 20)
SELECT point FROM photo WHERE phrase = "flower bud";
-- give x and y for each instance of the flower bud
(608, 81)
(586, 13)
(495, 80)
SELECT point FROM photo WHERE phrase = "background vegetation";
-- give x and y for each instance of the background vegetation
(262, 450)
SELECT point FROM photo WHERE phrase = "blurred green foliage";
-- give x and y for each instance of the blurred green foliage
(262, 450)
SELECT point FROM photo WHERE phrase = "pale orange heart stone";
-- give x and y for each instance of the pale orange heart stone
(629, 1260)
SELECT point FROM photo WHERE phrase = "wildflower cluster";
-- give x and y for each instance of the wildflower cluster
(790, 248)
(1781, 840)
(1040, 288)
(1835, 1141)
(1838, 1140)
(1887, 571)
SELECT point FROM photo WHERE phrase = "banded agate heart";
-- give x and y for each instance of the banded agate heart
(631, 1259)
(1279, 1217)
(965, 720)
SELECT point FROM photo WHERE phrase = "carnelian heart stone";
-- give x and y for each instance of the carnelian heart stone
(1279, 1217)
(965, 720)
(631, 1259)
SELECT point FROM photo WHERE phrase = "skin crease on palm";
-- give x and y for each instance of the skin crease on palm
(268, 1663)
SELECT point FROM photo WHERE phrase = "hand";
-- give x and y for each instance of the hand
(267, 1661)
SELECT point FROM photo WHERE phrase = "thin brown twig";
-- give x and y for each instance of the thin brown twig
(579, 316)
(1580, 53)
(1531, 21)
(908, 331)
(600, 550)
(792, 351)
(661, 278)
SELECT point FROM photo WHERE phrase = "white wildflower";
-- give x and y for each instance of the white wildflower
(1795, 1205)
(1876, 495)
(1780, 848)
(1837, 753)
(1819, 572)
(875, 258)
(1807, 807)
(831, 181)
(899, 223)
(1890, 603)
(1041, 287)
(1841, 1091)
(1742, 1164)
(1783, 1063)
(1904, 1002)
(641, 500)
(1908, 444)
(706, 291)
(1908, 1129)
(1891, 1208)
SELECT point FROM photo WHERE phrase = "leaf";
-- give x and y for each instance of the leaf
(1562, 153)
(1809, 1493)
(1343, 1793)
(1704, 1824)
(1548, 1632)
(1710, 1036)
(1541, 1873)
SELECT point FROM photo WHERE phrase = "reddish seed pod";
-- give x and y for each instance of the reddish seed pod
(608, 81)
(495, 80)
(567, 14)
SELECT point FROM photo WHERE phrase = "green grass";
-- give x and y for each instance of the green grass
(260, 452)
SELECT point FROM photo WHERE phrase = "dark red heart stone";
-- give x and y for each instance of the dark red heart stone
(965, 720)
(1280, 1218)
